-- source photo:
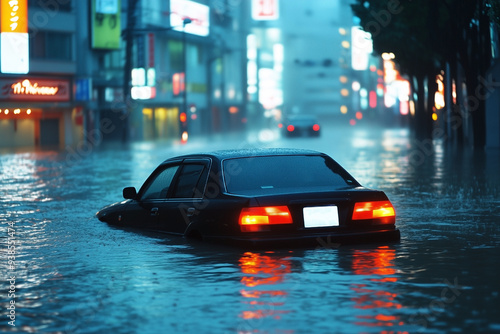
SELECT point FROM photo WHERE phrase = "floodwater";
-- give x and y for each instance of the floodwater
(75, 274)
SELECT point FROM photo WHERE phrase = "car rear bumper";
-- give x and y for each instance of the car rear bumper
(316, 240)
(299, 132)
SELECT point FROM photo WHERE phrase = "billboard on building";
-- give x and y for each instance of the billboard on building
(198, 14)
(14, 43)
(362, 48)
(106, 24)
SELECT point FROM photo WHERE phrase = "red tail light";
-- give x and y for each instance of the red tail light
(265, 215)
(371, 210)
(290, 128)
(316, 127)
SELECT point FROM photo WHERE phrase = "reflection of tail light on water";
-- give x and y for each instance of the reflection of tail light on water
(263, 270)
(377, 262)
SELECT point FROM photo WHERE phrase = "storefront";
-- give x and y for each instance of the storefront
(37, 113)
(160, 123)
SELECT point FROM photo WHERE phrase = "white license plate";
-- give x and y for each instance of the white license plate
(321, 216)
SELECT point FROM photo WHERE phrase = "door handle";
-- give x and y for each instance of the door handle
(190, 212)
(154, 212)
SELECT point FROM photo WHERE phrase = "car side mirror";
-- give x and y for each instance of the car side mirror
(129, 193)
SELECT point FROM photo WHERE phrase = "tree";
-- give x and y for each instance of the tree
(398, 28)
(428, 36)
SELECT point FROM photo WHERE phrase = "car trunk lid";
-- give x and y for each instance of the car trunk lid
(320, 212)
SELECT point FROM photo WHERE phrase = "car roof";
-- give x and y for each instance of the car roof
(246, 153)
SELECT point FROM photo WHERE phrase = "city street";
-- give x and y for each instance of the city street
(70, 273)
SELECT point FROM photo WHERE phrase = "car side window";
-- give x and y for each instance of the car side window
(158, 188)
(191, 181)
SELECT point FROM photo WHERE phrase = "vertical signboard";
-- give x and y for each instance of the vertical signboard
(14, 55)
(265, 10)
(151, 50)
(105, 23)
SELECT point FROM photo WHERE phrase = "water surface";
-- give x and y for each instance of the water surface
(74, 274)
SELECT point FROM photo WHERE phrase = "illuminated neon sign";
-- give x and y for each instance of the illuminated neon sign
(27, 88)
(265, 10)
(14, 55)
(34, 90)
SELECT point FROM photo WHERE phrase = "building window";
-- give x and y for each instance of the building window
(176, 56)
(51, 5)
(114, 60)
(222, 13)
(199, 54)
(194, 55)
(50, 45)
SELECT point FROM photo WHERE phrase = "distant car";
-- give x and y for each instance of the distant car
(265, 196)
(300, 125)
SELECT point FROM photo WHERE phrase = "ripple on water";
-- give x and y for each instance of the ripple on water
(77, 274)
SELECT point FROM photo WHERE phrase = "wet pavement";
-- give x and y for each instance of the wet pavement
(70, 273)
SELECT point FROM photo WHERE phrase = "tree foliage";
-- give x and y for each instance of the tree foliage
(428, 36)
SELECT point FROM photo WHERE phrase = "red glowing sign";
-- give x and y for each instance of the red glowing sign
(373, 99)
(178, 83)
(265, 10)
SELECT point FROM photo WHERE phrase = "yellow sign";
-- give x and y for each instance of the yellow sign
(14, 16)
(14, 39)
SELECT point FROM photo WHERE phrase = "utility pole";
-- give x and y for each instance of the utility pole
(127, 75)
(184, 126)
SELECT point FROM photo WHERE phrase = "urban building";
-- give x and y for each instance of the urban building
(300, 59)
(38, 65)
(188, 74)
(65, 83)
(92, 71)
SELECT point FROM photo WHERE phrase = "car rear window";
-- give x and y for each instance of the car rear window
(284, 174)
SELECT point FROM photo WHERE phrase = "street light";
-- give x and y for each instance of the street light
(184, 135)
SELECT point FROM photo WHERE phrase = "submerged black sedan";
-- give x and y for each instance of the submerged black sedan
(269, 196)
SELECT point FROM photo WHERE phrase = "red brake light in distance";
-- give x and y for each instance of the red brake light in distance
(316, 127)
(265, 215)
(371, 210)
(290, 128)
